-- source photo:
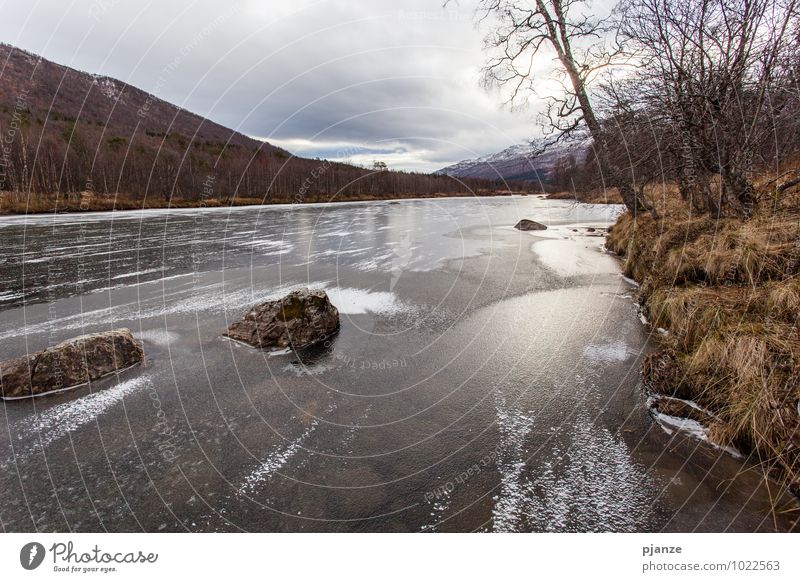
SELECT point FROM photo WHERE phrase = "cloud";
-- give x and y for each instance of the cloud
(370, 79)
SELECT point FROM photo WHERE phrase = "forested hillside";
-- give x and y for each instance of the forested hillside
(72, 139)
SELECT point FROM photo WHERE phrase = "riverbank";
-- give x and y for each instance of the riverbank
(598, 196)
(726, 295)
(92, 202)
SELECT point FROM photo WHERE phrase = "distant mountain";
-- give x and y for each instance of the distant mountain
(76, 140)
(518, 162)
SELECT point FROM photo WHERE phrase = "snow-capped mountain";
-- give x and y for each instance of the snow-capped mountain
(518, 162)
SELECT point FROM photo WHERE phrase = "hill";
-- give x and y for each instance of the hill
(73, 140)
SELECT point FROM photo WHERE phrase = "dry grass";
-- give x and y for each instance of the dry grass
(599, 196)
(729, 293)
(36, 203)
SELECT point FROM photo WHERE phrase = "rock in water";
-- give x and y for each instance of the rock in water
(526, 224)
(69, 364)
(300, 319)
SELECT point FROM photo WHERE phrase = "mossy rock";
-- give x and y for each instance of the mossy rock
(300, 319)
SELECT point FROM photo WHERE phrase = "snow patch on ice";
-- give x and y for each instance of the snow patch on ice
(629, 281)
(215, 299)
(616, 351)
(52, 424)
(266, 246)
(376, 262)
(160, 337)
(689, 426)
(335, 233)
(588, 483)
(137, 273)
(438, 507)
(300, 369)
(510, 504)
(350, 301)
(277, 459)
(9, 295)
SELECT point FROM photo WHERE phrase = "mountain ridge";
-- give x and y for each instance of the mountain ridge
(525, 161)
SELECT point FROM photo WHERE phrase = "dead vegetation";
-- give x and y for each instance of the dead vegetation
(595, 196)
(728, 291)
(96, 202)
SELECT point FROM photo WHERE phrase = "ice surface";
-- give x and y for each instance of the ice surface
(54, 423)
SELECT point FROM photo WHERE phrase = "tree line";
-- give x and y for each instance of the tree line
(701, 93)
(50, 154)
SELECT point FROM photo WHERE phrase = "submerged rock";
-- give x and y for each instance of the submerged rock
(69, 364)
(302, 318)
(526, 224)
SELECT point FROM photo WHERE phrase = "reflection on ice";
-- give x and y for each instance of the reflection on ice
(614, 351)
(109, 249)
(578, 256)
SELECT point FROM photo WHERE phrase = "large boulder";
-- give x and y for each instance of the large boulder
(526, 224)
(69, 364)
(302, 318)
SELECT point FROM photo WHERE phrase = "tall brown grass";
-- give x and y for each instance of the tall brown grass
(728, 291)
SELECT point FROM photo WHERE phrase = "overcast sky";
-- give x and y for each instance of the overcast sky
(357, 80)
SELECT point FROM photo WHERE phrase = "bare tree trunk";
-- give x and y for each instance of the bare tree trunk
(561, 25)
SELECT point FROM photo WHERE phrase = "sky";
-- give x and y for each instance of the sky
(355, 81)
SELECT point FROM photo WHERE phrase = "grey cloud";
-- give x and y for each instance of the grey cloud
(381, 79)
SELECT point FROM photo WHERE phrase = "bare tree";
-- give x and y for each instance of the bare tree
(577, 40)
(712, 75)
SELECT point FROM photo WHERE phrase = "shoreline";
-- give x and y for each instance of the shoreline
(125, 205)
(723, 297)
(121, 204)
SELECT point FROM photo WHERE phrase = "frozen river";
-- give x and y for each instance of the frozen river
(483, 378)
